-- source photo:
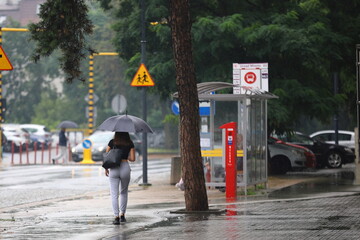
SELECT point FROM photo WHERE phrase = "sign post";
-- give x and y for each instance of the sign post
(229, 130)
(118, 103)
(252, 75)
(87, 158)
(5, 64)
(142, 78)
(204, 108)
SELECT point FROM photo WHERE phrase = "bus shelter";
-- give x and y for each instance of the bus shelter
(249, 111)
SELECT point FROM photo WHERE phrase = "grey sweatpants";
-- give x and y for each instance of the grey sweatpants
(119, 178)
(62, 154)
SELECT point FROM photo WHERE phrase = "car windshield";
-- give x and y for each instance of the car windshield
(296, 138)
(30, 130)
(101, 137)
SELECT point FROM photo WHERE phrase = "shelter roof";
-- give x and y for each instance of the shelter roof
(206, 89)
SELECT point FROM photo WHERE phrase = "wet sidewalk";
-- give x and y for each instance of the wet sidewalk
(323, 205)
(295, 206)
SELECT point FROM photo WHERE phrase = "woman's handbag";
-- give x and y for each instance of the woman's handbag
(112, 158)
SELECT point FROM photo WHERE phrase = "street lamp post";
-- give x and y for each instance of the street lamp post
(144, 103)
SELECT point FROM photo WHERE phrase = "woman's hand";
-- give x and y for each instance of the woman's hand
(107, 149)
(107, 172)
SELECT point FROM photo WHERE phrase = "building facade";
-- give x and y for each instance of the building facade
(22, 11)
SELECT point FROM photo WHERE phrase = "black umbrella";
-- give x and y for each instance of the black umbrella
(125, 123)
(67, 124)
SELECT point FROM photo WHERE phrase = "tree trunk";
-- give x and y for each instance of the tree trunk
(192, 167)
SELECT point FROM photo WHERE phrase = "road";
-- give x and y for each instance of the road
(37, 183)
(64, 201)
(72, 202)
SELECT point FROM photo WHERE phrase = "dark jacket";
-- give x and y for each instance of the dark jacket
(62, 138)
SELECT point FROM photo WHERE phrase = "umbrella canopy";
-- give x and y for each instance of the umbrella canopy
(67, 124)
(125, 123)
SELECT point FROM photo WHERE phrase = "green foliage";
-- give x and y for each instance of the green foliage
(23, 85)
(171, 119)
(304, 42)
(50, 111)
(64, 25)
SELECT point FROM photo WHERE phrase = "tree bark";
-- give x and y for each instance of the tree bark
(192, 167)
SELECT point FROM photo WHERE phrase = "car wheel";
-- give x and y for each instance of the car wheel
(334, 160)
(75, 158)
(279, 165)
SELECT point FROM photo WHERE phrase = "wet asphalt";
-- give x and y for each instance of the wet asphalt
(327, 207)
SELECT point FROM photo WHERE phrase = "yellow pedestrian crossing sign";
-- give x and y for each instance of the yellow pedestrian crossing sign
(142, 78)
(5, 64)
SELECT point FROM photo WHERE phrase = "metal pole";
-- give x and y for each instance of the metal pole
(144, 113)
(336, 115)
(1, 97)
(358, 94)
(1, 113)
(91, 95)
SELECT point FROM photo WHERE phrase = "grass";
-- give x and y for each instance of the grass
(252, 190)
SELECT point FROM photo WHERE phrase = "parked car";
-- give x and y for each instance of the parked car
(330, 155)
(39, 134)
(284, 157)
(17, 136)
(100, 140)
(345, 138)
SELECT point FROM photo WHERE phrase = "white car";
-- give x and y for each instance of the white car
(345, 138)
(39, 134)
(17, 136)
(100, 140)
(284, 157)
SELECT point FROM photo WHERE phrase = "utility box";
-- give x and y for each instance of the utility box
(230, 149)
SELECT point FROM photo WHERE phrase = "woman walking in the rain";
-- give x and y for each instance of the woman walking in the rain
(120, 176)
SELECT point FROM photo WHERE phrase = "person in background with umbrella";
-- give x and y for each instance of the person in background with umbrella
(120, 176)
(63, 140)
(63, 147)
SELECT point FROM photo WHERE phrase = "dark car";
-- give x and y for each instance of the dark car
(100, 140)
(330, 155)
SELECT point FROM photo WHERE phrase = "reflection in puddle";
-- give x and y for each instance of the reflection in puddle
(87, 172)
(338, 182)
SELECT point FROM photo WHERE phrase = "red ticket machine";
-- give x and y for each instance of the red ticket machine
(230, 159)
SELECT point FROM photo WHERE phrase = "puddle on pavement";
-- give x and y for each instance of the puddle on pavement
(157, 205)
(170, 221)
(336, 182)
